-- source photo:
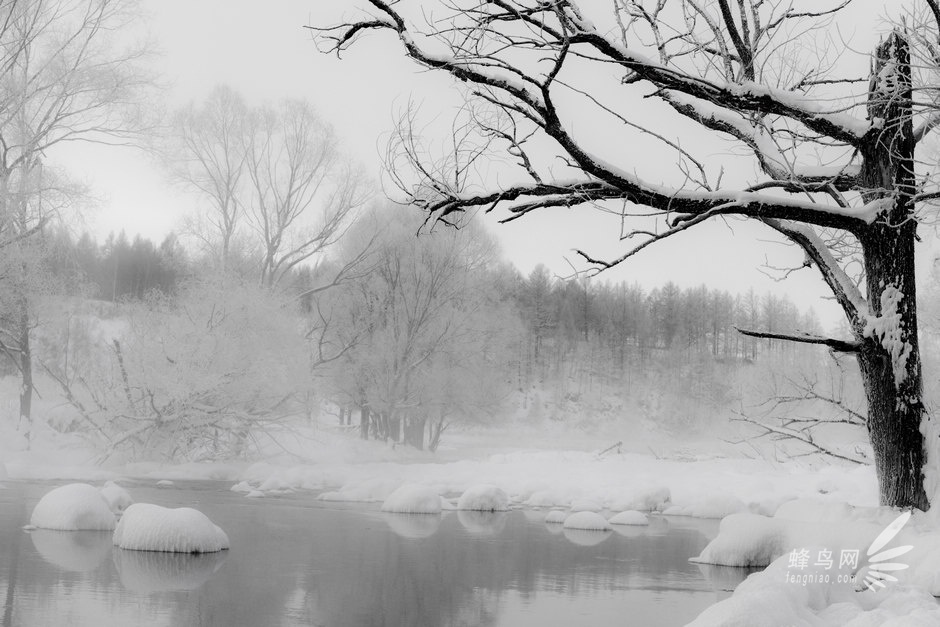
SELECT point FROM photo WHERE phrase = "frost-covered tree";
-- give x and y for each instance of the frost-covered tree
(196, 375)
(426, 328)
(65, 75)
(824, 158)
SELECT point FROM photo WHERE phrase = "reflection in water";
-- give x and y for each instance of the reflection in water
(76, 551)
(482, 523)
(724, 578)
(412, 525)
(296, 561)
(157, 571)
(584, 537)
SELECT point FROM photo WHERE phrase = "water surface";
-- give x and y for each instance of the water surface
(298, 561)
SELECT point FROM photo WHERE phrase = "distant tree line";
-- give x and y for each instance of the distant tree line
(625, 320)
(118, 268)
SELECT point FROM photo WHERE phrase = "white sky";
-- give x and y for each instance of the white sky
(262, 51)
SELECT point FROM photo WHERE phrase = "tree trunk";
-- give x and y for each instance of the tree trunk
(394, 426)
(890, 355)
(435, 429)
(26, 372)
(364, 422)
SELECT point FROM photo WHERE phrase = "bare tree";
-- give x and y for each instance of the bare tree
(208, 155)
(65, 77)
(835, 169)
(418, 319)
(302, 193)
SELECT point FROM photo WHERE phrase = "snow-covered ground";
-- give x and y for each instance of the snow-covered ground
(770, 508)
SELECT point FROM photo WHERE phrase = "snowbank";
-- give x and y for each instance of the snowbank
(630, 517)
(483, 498)
(587, 521)
(117, 497)
(369, 491)
(559, 479)
(824, 562)
(148, 527)
(413, 499)
(712, 506)
(643, 499)
(73, 507)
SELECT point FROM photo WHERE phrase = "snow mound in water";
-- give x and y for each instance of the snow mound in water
(117, 497)
(148, 527)
(643, 500)
(745, 540)
(588, 521)
(73, 507)
(556, 517)
(630, 517)
(413, 498)
(483, 498)
(586, 505)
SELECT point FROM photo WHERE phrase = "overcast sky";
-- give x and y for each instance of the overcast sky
(263, 51)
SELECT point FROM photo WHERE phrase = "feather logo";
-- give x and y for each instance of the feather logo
(879, 568)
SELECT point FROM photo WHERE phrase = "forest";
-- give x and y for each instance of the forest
(156, 351)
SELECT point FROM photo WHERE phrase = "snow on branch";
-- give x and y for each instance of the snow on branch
(560, 27)
(842, 346)
(760, 141)
(845, 290)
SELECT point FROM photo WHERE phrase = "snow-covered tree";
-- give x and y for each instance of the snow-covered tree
(822, 157)
(65, 76)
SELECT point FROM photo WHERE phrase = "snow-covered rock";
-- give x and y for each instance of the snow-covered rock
(630, 517)
(73, 507)
(483, 498)
(543, 498)
(556, 517)
(413, 498)
(148, 527)
(255, 494)
(117, 497)
(242, 486)
(587, 521)
(164, 483)
(745, 540)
